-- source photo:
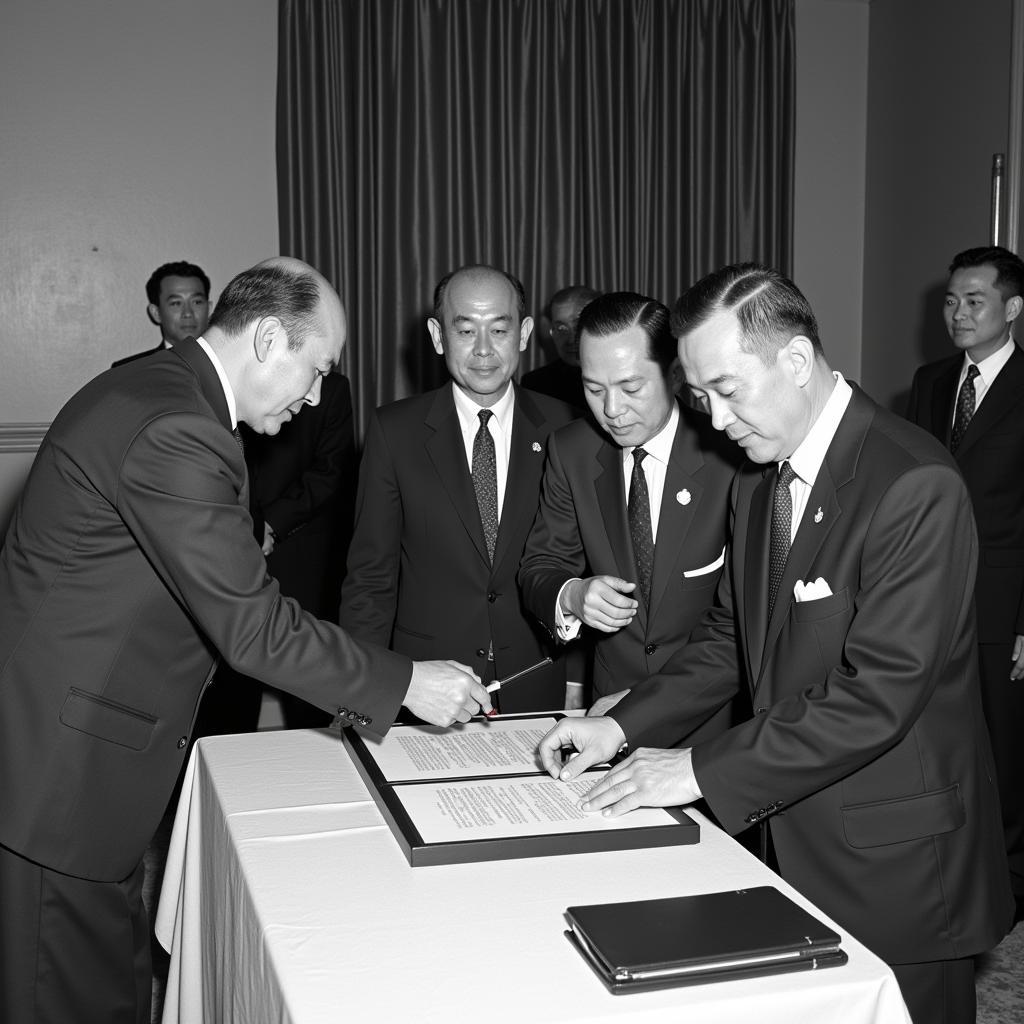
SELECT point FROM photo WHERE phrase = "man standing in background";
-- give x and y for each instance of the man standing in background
(179, 304)
(448, 490)
(973, 402)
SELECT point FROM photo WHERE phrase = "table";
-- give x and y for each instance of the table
(286, 899)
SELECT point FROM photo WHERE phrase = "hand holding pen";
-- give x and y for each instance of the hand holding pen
(499, 683)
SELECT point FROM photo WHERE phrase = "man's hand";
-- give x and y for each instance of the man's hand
(647, 778)
(1017, 671)
(602, 602)
(444, 692)
(595, 740)
(603, 705)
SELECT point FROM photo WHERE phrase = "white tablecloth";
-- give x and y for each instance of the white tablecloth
(286, 899)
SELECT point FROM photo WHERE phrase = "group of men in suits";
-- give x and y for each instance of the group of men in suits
(846, 610)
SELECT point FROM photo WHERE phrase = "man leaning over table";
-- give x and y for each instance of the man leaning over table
(846, 605)
(129, 564)
(630, 536)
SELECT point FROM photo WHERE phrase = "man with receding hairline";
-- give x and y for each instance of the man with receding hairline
(129, 565)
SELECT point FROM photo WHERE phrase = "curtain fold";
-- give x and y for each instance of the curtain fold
(616, 143)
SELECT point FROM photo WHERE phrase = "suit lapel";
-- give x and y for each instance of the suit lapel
(680, 505)
(1005, 393)
(823, 511)
(525, 467)
(610, 494)
(447, 453)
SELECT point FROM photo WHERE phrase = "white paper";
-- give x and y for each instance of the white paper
(524, 806)
(494, 747)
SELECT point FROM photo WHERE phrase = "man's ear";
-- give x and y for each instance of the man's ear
(436, 335)
(800, 354)
(154, 313)
(525, 330)
(269, 332)
(1013, 308)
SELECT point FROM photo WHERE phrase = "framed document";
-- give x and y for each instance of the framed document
(477, 792)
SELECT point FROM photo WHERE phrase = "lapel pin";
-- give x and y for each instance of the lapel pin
(819, 515)
(536, 447)
(683, 497)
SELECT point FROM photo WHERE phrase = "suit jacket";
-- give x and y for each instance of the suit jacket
(867, 751)
(582, 530)
(303, 482)
(129, 563)
(559, 380)
(418, 575)
(990, 457)
(139, 355)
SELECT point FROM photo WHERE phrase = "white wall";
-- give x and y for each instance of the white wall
(134, 132)
(831, 129)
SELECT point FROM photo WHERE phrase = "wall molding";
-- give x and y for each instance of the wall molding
(1015, 143)
(22, 437)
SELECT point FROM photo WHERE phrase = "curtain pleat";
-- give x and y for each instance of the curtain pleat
(615, 143)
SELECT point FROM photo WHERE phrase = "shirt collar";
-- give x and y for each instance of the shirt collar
(229, 395)
(468, 409)
(660, 446)
(990, 366)
(810, 454)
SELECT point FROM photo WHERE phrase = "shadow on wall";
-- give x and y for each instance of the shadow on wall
(930, 341)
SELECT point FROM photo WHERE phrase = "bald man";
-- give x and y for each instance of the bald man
(129, 564)
(426, 574)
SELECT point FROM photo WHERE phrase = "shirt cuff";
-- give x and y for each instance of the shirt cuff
(567, 625)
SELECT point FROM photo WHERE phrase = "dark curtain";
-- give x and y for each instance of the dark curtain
(615, 143)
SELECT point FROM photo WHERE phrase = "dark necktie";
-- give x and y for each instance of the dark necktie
(964, 408)
(639, 508)
(782, 531)
(485, 481)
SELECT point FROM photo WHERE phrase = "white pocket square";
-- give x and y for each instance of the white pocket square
(811, 591)
(705, 569)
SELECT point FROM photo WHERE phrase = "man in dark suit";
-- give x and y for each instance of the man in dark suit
(447, 492)
(974, 404)
(178, 297)
(584, 562)
(129, 564)
(561, 377)
(846, 605)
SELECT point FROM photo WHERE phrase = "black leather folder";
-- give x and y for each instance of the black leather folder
(689, 940)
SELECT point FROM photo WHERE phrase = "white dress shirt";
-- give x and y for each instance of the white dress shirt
(988, 370)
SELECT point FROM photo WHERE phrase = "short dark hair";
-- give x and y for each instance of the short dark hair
(1009, 267)
(770, 309)
(442, 288)
(578, 294)
(269, 290)
(179, 269)
(615, 312)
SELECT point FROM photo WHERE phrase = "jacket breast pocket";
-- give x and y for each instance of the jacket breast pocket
(107, 719)
(883, 822)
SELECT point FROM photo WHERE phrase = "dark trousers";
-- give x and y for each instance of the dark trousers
(71, 949)
(941, 992)
(1003, 701)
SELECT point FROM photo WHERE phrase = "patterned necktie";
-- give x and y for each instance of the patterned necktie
(782, 532)
(964, 408)
(639, 508)
(485, 481)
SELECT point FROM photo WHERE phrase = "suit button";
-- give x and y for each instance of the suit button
(365, 720)
(352, 716)
(750, 819)
(481, 653)
(182, 740)
(342, 712)
(762, 711)
(650, 649)
(492, 597)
